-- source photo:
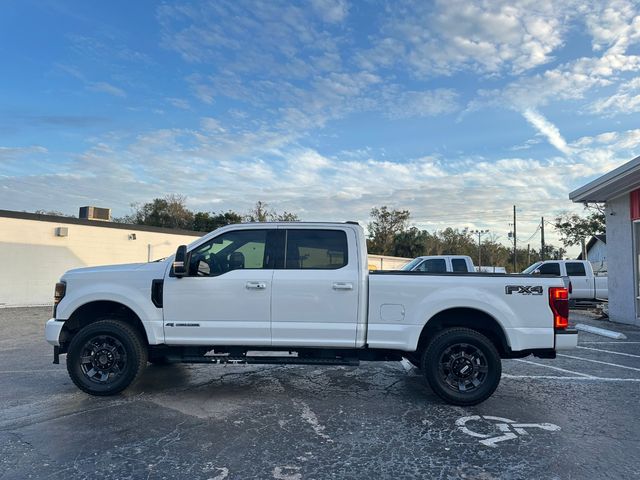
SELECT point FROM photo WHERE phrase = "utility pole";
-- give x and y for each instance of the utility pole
(515, 245)
(528, 254)
(542, 239)
(479, 233)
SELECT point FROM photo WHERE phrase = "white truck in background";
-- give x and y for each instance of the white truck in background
(585, 284)
(243, 292)
(441, 264)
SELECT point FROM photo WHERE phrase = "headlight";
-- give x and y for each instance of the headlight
(61, 289)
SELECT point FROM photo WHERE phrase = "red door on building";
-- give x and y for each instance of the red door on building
(634, 202)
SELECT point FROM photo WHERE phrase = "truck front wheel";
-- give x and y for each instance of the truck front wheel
(462, 366)
(105, 357)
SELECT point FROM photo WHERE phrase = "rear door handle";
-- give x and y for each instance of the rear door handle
(256, 285)
(342, 286)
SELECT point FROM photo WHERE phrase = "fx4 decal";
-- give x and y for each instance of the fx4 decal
(524, 289)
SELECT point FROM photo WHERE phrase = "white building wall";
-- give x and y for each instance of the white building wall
(33, 258)
(598, 252)
(620, 262)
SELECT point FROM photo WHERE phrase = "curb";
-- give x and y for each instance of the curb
(600, 331)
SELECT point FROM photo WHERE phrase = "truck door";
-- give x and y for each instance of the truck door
(315, 296)
(583, 286)
(226, 297)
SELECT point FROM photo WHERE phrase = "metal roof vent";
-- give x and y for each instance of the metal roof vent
(95, 213)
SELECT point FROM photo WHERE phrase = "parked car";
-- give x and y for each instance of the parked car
(303, 290)
(585, 284)
(440, 264)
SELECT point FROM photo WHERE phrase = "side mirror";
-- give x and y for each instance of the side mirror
(180, 262)
(536, 272)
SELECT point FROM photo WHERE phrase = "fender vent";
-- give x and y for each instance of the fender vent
(156, 292)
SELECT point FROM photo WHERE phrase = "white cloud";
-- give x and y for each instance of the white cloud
(180, 103)
(488, 36)
(221, 169)
(332, 11)
(423, 103)
(548, 129)
(105, 87)
(612, 23)
(626, 100)
(12, 153)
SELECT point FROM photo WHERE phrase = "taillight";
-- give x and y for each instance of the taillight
(559, 303)
(61, 289)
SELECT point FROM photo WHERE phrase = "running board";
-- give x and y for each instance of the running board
(266, 360)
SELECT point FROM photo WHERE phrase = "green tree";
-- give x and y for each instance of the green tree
(209, 221)
(384, 227)
(457, 242)
(410, 243)
(573, 228)
(168, 212)
(262, 213)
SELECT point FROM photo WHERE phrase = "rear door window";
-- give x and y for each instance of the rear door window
(309, 249)
(550, 268)
(576, 269)
(459, 265)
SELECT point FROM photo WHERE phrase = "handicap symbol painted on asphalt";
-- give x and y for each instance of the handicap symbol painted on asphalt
(507, 429)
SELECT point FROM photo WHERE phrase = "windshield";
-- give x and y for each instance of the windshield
(531, 268)
(412, 264)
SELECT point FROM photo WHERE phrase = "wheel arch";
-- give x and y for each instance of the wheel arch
(467, 317)
(95, 310)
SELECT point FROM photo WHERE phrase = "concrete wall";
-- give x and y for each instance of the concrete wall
(621, 262)
(32, 257)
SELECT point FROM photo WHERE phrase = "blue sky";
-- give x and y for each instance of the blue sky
(452, 109)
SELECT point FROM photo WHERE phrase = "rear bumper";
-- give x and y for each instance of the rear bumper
(52, 331)
(566, 339)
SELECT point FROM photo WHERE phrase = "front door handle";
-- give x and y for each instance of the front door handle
(256, 285)
(343, 286)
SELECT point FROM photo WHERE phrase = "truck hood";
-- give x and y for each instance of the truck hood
(157, 268)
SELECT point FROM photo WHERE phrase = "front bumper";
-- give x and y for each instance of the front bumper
(567, 339)
(52, 331)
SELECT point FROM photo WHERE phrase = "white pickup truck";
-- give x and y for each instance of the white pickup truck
(441, 264)
(585, 284)
(245, 291)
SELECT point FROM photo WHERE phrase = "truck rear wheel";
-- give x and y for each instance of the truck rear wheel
(462, 366)
(105, 357)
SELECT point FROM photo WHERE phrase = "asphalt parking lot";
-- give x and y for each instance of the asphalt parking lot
(573, 417)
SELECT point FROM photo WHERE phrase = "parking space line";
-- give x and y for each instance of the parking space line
(559, 377)
(599, 361)
(31, 371)
(553, 368)
(610, 351)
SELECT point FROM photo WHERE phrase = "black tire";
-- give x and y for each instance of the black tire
(105, 357)
(462, 366)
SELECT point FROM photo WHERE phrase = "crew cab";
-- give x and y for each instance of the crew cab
(245, 291)
(585, 284)
(441, 264)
